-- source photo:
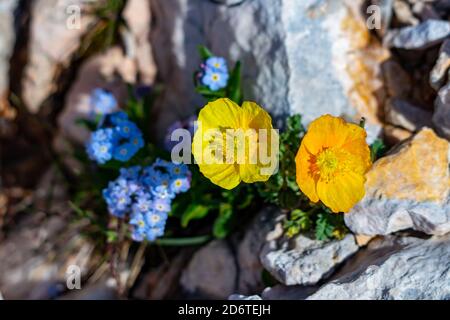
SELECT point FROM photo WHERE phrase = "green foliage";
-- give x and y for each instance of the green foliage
(223, 224)
(194, 212)
(282, 189)
(299, 221)
(377, 150)
(330, 225)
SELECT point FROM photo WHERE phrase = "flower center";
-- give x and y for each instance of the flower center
(327, 163)
(215, 77)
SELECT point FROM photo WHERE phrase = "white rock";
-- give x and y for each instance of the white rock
(420, 271)
(52, 45)
(441, 117)
(100, 71)
(407, 189)
(7, 40)
(310, 57)
(263, 226)
(305, 261)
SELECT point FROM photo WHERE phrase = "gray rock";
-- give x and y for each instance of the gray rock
(422, 36)
(7, 40)
(282, 292)
(407, 115)
(386, 12)
(407, 189)
(439, 74)
(51, 47)
(237, 297)
(36, 254)
(425, 11)
(404, 13)
(419, 271)
(265, 225)
(304, 261)
(212, 272)
(397, 80)
(441, 116)
(228, 2)
(104, 289)
(298, 56)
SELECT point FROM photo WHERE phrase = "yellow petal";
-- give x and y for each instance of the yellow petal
(251, 173)
(356, 145)
(223, 175)
(305, 174)
(222, 113)
(343, 192)
(325, 132)
(255, 117)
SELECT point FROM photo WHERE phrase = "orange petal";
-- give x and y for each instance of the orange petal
(324, 132)
(305, 176)
(343, 192)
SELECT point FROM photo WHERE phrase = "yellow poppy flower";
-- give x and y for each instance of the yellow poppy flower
(234, 144)
(331, 163)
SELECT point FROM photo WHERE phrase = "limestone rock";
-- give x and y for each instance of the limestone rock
(54, 39)
(138, 49)
(310, 57)
(409, 188)
(264, 227)
(393, 135)
(211, 272)
(407, 115)
(36, 254)
(404, 13)
(441, 116)
(419, 271)
(422, 36)
(7, 40)
(304, 261)
(237, 297)
(398, 81)
(440, 71)
(104, 70)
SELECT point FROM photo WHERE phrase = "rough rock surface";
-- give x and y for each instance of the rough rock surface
(310, 57)
(410, 188)
(264, 227)
(407, 115)
(440, 71)
(304, 261)
(211, 272)
(52, 45)
(35, 256)
(242, 297)
(104, 70)
(7, 40)
(137, 15)
(441, 116)
(419, 271)
(422, 36)
(222, 268)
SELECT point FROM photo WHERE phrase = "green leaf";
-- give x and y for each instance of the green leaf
(222, 225)
(324, 227)
(194, 212)
(234, 88)
(181, 242)
(204, 52)
(294, 124)
(377, 149)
